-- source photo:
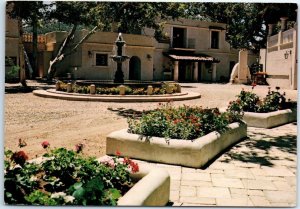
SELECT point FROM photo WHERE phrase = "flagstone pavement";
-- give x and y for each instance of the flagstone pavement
(260, 171)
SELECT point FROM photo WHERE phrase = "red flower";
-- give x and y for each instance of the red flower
(45, 144)
(19, 157)
(176, 121)
(118, 153)
(134, 166)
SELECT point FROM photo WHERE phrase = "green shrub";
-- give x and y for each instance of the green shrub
(250, 102)
(65, 178)
(115, 90)
(181, 123)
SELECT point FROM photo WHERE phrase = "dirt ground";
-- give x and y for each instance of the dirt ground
(66, 123)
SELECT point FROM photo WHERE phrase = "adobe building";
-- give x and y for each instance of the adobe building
(191, 51)
(12, 38)
(279, 59)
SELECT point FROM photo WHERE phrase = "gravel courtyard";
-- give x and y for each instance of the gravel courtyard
(259, 171)
(66, 123)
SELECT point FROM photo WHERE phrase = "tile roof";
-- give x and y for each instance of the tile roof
(195, 57)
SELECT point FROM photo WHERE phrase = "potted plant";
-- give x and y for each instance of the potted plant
(188, 136)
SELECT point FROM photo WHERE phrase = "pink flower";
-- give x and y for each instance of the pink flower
(108, 161)
(45, 144)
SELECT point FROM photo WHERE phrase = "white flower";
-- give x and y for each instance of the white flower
(58, 195)
(33, 178)
(69, 199)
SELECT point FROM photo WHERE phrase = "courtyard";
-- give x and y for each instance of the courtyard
(259, 171)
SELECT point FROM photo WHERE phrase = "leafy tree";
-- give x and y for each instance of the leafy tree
(130, 17)
(28, 13)
(246, 22)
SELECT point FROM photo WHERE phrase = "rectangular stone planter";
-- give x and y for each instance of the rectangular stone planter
(271, 119)
(188, 153)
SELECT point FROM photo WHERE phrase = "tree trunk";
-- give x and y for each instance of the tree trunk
(21, 55)
(61, 52)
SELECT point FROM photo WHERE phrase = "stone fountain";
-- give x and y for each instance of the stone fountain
(119, 58)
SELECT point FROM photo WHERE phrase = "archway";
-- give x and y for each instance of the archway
(135, 68)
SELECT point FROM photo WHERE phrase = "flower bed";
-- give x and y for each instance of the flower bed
(64, 177)
(115, 90)
(271, 111)
(181, 136)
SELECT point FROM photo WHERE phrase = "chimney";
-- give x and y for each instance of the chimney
(283, 23)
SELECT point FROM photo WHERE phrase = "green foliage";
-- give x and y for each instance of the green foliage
(246, 22)
(67, 178)
(40, 198)
(13, 72)
(115, 90)
(181, 123)
(250, 102)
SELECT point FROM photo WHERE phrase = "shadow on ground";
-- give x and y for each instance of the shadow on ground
(128, 113)
(14, 88)
(258, 150)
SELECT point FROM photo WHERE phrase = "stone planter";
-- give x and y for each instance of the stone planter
(271, 119)
(188, 153)
(152, 188)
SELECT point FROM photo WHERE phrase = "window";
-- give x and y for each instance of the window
(10, 61)
(179, 37)
(101, 59)
(214, 39)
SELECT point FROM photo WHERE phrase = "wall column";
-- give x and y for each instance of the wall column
(294, 55)
(176, 69)
(196, 71)
(243, 66)
(283, 23)
(214, 72)
(270, 32)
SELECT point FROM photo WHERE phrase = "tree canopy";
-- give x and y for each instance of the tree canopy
(246, 22)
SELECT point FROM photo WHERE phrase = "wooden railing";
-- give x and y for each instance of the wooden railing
(27, 37)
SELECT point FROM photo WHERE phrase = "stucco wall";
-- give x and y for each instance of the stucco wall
(11, 40)
(280, 68)
(82, 64)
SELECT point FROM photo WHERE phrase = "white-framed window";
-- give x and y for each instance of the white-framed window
(215, 39)
(101, 59)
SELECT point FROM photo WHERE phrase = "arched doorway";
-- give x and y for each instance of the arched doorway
(135, 68)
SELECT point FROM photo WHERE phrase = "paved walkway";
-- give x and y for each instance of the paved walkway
(259, 171)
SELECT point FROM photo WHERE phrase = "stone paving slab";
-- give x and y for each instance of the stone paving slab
(250, 177)
(241, 202)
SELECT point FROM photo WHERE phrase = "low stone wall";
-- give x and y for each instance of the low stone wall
(271, 119)
(189, 153)
(152, 188)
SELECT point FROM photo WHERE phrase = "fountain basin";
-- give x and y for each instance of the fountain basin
(109, 83)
